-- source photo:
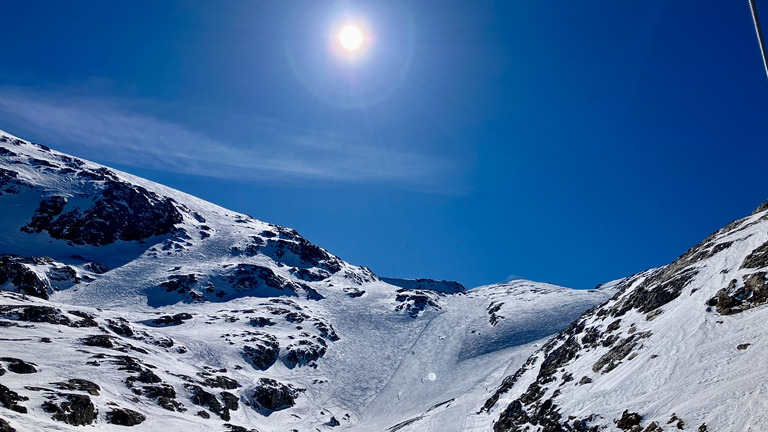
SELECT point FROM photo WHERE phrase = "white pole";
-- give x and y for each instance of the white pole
(759, 32)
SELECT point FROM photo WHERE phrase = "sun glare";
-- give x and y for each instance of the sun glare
(351, 37)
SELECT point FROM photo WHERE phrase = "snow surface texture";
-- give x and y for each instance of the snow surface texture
(129, 303)
(679, 347)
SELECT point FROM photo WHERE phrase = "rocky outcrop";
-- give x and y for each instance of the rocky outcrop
(172, 320)
(10, 399)
(262, 351)
(121, 211)
(304, 352)
(79, 384)
(205, 399)
(125, 417)
(18, 366)
(414, 302)
(73, 409)
(443, 286)
(271, 395)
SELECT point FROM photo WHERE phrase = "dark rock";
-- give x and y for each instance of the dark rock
(121, 212)
(146, 376)
(416, 301)
(43, 314)
(76, 410)
(333, 422)
(5, 427)
(26, 281)
(167, 320)
(326, 330)
(120, 327)
(615, 355)
(230, 401)
(246, 277)
(165, 395)
(262, 354)
(757, 259)
(202, 398)
(47, 210)
(97, 268)
(296, 317)
(203, 414)
(443, 286)
(271, 395)
(19, 366)
(658, 290)
(87, 320)
(233, 428)
(735, 299)
(221, 381)
(653, 427)
(302, 353)
(628, 420)
(613, 326)
(79, 385)
(261, 322)
(125, 417)
(310, 275)
(101, 341)
(10, 399)
(181, 284)
(743, 346)
(493, 310)
(507, 384)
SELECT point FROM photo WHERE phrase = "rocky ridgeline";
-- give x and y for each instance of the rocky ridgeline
(79, 203)
(609, 340)
(113, 210)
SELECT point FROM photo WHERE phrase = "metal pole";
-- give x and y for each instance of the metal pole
(759, 32)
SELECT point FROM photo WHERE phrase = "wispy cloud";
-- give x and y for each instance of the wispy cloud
(100, 130)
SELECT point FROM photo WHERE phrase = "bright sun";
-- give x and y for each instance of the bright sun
(351, 37)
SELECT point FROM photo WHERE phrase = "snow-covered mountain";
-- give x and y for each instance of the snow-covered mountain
(679, 347)
(127, 303)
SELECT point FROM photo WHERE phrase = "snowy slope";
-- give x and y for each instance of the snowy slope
(141, 304)
(679, 347)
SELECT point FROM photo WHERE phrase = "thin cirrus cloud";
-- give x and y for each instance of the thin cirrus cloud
(97, 130)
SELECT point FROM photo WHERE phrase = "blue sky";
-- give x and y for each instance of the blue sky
(567, 142)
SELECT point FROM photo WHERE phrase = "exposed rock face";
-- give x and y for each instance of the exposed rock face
(271, 395)
(262, 352)
(738, 297)
(613, 334)
(74, 409)
(125, 417)
(250, 277)
(203, 398)
(10, 399)
(5, 427)
(18, 366)
(628, 420)
(443, 286)
(414, 302)
(168, 320)
(122, 211)
(304, 352)
(80, 385)
(230, 401)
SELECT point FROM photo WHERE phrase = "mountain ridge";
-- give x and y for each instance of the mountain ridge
(167, 311)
